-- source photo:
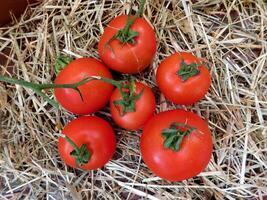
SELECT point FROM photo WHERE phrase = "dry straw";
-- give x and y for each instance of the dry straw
(231, 38)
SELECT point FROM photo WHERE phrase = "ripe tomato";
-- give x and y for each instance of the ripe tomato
(96, 94)
(144, 108)
(176, 145)
(128, 57)
(91, 134)
(190, 86)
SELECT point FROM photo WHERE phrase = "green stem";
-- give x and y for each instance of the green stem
(141, 8)
(37, 88)
(129, 98)
(18, 82)
(126, 35)
(74, 146)
(130, 20)
(117, 84)
(81, 154)
(127, 26)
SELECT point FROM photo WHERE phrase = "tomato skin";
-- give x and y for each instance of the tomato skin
(145, 108)
(96, 94)
(178, 91)
(195, 150)
(93, 131)
(128, 58)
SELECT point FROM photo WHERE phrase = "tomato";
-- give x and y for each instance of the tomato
(92, 133)
(190, 86)
(95, 93)
(144, 108)
(126, 57)
(176, 145)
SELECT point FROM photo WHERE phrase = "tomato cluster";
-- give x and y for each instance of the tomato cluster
(174, 144)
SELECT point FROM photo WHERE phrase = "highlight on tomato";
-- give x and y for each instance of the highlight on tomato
(88, 143)
(89, 97)
(176, 145)
(183, 79)
(128, 44)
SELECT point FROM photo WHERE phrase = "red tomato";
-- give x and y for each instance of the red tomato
(174, 87)
(96, 134)
(96, 94)
(195, 148)
(126, 57)
(144, 108)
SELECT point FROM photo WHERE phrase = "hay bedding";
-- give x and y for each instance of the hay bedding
(229, 35)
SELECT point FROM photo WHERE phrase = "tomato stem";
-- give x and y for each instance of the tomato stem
(187, 70)
(37, 88)
(126, 35)
(129, 98)
(82, 154)
(61, 63)
(141, 8)
(117, 84)
(127, 91)
(173, 137)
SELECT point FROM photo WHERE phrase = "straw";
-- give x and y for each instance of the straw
(230, 37)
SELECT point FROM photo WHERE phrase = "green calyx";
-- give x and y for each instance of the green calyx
(127, 90)
(126, 35)
(129, 98)
(187, 70)
(82, 154)
(61, 63)
(174, 135)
